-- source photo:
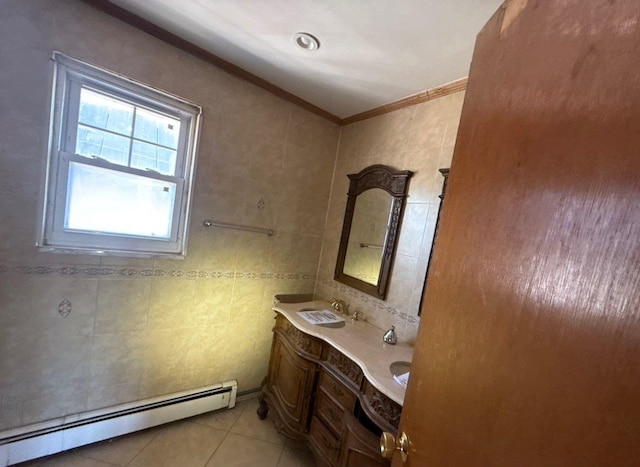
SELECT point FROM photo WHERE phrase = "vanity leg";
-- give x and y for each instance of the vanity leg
(263, 408)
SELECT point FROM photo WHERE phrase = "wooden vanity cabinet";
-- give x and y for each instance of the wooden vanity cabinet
(317, 394)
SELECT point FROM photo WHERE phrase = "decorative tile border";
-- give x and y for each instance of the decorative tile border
(65, 307)
(81, 271)
(96, 272)
(368, 300)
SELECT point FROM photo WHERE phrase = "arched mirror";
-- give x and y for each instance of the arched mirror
(375, 204)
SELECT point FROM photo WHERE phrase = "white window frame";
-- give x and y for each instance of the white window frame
(69, 76)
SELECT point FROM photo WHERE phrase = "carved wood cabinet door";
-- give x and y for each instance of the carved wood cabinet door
(291, 380)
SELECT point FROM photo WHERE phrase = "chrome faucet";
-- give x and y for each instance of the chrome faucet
(340, 306)
(390, 336)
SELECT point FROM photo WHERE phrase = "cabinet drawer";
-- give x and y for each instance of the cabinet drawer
(346, 367)
(337, 391)
(324, 441)
(330, 413)
(360, 447)
(299, 340)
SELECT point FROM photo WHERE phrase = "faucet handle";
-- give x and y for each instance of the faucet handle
(390, 336)
(356, 314)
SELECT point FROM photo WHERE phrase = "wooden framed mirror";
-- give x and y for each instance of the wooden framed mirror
(445, 174)
(375, 204)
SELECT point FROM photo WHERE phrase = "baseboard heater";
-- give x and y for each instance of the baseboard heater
(42, 439)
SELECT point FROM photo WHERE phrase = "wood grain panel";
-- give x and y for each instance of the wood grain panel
(291, 380)
(529, 348)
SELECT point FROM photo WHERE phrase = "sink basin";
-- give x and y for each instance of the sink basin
(399, 368)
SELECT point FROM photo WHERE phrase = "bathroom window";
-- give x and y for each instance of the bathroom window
(121, 163)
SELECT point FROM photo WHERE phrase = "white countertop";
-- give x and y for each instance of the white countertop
(358, 340)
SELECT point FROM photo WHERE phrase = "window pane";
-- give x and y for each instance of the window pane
(148, 156)
(157, 128)
(109, 146)
(107, 201)
(108, 113)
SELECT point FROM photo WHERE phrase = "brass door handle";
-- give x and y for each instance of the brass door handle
(389, 445)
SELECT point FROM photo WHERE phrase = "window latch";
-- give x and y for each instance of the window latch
(97, 158)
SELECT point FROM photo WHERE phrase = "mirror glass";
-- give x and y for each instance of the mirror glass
(371, 214)
(372, 219)
(445, 174)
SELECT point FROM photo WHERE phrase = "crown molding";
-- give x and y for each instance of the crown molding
(170, 38)
(156, 31)
(424, 96)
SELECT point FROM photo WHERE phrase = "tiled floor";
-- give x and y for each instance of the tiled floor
(225, 438)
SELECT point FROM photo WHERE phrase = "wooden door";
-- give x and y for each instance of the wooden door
(529, 348)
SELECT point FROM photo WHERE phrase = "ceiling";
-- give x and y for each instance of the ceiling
(372, 52)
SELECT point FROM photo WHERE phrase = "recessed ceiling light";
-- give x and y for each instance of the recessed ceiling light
(306, 41)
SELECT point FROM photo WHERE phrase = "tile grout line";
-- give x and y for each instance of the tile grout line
(281, 454)
(243, 408)
(145, 446)
(225, 436)
(216, 449)
(253, 437)
(96, 460)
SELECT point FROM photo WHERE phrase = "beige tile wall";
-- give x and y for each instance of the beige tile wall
(139, 328)
(420, 139)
